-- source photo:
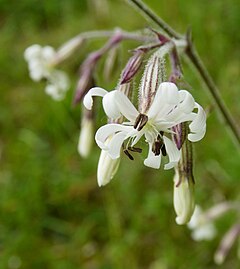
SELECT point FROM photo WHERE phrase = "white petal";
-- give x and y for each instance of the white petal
(109, 105)
(199, 122)
(48, 53)
(125, 106)
(32, 52)
(187, 102)
(170, 92)
(172, 151)
(107, 130)
(152, 160)
(198, 125)
(114, 147)
(54, 92)
(194, 137)
(165, 99)
(88, 101)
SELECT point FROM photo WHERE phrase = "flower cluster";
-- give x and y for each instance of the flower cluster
(169, 108)
(41, 64)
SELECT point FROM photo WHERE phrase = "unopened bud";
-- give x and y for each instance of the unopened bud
(68, 48)
(111, 63)
(86, 135)
(184, 203)
(85, 83)
(132, 66)
(154, 74)
(183, 199)
(107, 168)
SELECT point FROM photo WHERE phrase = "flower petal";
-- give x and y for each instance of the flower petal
(125, 106)
(115, 144)
(109, 105)
(166, 96)
(173, 153)
(107, 130)
(194, 137)
(152, 160)
(170, 91)
(199, 122)
(96, 91)
(198, 125)
(187, 102)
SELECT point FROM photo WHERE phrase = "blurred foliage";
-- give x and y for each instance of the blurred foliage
(52, 213)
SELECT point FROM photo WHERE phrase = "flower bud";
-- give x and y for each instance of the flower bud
(107, 168)
(68, 48)
(86, 134)
(111, 63)
(132, 66)
(183, 199)
(154, 74)
(85, 83)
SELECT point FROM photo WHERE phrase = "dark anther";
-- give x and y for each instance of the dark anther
(157, 147)
(133, 149)
(163, 149)
(140, 122)
(128, 154)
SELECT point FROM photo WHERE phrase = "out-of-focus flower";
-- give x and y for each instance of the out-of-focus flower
(39, 61)
(41, 66)
(58, 85)
(201, 226)
(169, 108)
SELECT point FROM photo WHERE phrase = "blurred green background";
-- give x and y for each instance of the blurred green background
(52, 213)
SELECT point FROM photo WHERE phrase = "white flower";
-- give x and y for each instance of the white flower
(202, 228)
(86, 137)
(41, 65)
(39, 61)
(183, 199)
(169, 108)
(58, 85)
(107, 167)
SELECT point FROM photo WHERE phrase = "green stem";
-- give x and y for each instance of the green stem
(198, 64)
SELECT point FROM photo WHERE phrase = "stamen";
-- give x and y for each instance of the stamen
(163, 149)
(133, 149)
(128, 154)
(156, 149)
(140, 122)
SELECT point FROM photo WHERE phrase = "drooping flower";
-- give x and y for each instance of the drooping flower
(169, 108)
(41, 64)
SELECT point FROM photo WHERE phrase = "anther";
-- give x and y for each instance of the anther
(128, 154)
(133, 149)
(163, 149)
(140, 122)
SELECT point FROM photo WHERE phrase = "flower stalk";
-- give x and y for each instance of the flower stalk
(197, 63)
